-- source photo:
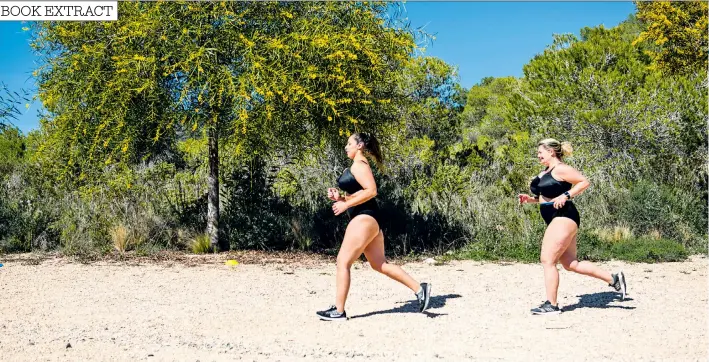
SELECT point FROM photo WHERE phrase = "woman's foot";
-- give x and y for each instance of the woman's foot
(546, 309)
(619, 284)
(424, 296)
(331, 314)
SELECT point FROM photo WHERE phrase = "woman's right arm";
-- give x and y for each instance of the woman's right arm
(527, 199)
(347, 197)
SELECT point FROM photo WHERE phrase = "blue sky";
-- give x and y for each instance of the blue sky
(481, 38)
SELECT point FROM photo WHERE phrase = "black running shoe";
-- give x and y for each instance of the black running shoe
(546, 309)
(619, 284)
(424, 296)
(331, 314)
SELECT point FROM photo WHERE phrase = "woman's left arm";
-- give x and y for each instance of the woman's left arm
(363, 174)
(574, 177)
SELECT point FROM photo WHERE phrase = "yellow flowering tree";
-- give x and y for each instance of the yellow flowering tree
(677, 32)
(262, 75)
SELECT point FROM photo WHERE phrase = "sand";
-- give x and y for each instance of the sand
(61, 310)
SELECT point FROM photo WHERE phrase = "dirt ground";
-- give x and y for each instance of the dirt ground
(56, 309)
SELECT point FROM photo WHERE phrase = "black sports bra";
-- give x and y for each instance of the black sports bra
(348, 182)
(548, 186)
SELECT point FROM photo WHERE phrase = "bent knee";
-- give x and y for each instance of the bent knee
(570, 265)
(376, 266)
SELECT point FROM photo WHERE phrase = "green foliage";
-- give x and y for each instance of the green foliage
(201, 245)
(254, 75)
(259, 72)
(10, 104)
(649, 250)
(664, 210)
(12, 149)
(640, 250)
(677, 34)
(590, 247)
(284, 98)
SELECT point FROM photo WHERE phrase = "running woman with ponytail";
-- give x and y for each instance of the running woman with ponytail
(363, 234)
(554, 189)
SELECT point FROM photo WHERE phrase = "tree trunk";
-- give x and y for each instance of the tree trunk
(213, 195)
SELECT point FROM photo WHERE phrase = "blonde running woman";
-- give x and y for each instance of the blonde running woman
(554, 188)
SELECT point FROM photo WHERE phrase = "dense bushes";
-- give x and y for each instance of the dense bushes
(455, 161)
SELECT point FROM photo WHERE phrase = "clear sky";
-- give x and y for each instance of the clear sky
(481, 38)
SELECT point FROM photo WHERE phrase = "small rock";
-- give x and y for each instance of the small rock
(430, 261)
(312, 292)
(150, 355)
(68, 345)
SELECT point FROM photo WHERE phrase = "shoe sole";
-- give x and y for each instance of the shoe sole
(547, 313)
(338, 319)
(623, 289)
(427, 293)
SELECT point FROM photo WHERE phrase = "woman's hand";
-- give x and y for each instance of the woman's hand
(524, 198)
(333, 194)
(339, 207)
(559, 201)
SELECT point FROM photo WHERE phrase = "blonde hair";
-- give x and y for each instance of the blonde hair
(561, 149)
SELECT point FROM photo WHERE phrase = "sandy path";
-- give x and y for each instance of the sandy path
(212, 312)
